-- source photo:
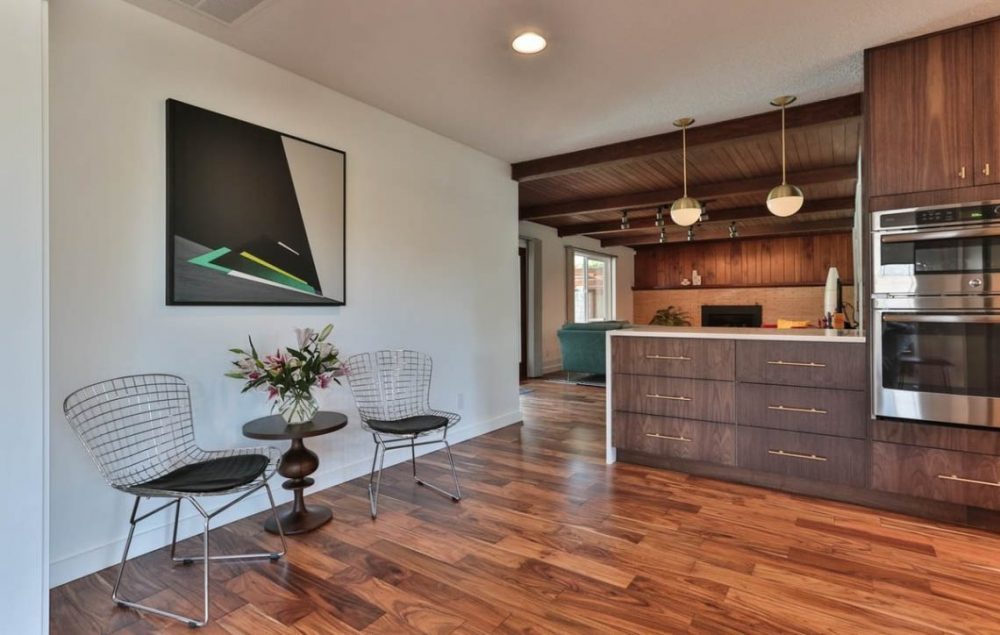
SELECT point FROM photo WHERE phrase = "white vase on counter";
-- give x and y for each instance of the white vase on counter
(830, 294)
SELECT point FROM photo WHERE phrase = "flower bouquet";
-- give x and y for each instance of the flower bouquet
(290, 374)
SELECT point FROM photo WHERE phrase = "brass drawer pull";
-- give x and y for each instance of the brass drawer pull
(952, 477)
(812, 411)
(667, 437)
(670, 397)
(796, 455)
(676, 358)
(806, 364)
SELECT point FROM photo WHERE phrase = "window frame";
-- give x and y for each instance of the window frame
(610, 283)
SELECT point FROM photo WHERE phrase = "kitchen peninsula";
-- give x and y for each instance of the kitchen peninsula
(785, 409)
(788, 410)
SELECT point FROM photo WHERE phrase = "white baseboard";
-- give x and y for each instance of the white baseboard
(552, 366)
(152, 535)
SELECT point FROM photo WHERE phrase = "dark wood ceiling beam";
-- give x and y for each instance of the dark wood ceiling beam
(793, 228)
(818, 113)
(733, 214)
(737, 187)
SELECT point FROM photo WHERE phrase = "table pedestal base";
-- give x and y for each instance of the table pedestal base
(299, 521)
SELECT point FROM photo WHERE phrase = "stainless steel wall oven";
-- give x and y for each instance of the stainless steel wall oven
(936, 327)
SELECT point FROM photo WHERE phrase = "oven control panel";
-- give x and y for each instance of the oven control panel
(938, 216)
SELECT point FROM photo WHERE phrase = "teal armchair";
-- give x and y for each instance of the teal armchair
(582, 346)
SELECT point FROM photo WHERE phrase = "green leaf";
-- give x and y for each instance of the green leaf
(235, 375)
(238, 351)
(325, 332)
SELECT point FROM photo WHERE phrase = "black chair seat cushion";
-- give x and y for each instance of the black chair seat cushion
(214, 475)
(409, 425)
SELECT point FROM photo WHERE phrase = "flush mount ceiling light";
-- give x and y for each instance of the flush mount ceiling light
(686, 210)
(785, 199)
(529, 43)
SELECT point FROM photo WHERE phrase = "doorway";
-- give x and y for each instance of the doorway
(522, 259)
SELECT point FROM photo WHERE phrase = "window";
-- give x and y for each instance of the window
(591, 286)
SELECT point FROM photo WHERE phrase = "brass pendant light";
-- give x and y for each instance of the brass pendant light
(686, 210)
(785, 199)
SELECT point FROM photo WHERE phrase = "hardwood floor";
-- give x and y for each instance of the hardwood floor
(550, 540)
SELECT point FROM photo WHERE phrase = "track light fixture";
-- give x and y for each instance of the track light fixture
(733, 233)
(659, 216)
(690, 235)
(686, 210)
(785, 199)
(663, 235)
(625, 223)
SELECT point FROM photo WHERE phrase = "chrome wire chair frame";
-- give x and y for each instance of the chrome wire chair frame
(391, 387)
(140, 428)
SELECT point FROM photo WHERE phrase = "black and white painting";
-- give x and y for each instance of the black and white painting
(254, 216)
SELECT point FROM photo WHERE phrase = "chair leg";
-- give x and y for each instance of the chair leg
(149, 609)
(205, 556)
(457, 495)
(272, 555)
(375, 482)
(177, 520)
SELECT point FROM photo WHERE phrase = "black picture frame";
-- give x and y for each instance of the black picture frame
(174, 109)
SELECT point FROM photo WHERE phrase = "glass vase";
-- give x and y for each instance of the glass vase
(298, 407)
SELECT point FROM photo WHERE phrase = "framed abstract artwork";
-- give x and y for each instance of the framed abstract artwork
(254, 216)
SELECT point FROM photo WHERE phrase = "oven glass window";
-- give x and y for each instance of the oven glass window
(960, 255)
(944, 357)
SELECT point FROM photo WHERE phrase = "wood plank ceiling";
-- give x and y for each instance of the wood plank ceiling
(731, 167)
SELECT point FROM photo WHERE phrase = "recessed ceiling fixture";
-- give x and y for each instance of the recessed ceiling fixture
(529, 43)
(785, 199)
(686, 210)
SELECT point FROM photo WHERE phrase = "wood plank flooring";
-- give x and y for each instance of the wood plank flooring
(550, 540)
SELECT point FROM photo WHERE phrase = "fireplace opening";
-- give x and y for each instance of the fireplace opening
(731, 315)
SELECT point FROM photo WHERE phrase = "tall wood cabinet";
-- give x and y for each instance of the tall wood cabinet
(933, 112)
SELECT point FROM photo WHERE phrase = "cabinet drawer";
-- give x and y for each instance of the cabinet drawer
(821, 410)
(811, 456)
(701, 399)
(819, 364)
(944, 475)
(673, 357)
(681, 438)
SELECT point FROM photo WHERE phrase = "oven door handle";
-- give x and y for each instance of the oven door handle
(978, 232)
(964, 318)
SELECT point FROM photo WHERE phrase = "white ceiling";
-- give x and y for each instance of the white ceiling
(614, 69)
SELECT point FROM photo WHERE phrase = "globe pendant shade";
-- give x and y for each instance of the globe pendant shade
(785, 200)
(685, 211)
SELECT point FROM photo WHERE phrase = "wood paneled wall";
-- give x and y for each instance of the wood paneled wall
(750, 262)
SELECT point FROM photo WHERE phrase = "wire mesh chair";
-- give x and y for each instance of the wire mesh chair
(392, 391)
(140, 433)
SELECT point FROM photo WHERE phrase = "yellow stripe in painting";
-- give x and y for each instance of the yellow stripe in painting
(264, 263)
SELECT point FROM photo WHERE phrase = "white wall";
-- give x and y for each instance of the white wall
(554, 283)
(431, 254)
(23, 587)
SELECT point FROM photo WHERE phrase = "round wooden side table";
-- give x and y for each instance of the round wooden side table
(296, 465)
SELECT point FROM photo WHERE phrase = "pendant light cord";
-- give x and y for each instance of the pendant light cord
(684, 144)
(783, 163)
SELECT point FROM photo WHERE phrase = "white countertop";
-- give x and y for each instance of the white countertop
(733, 333)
